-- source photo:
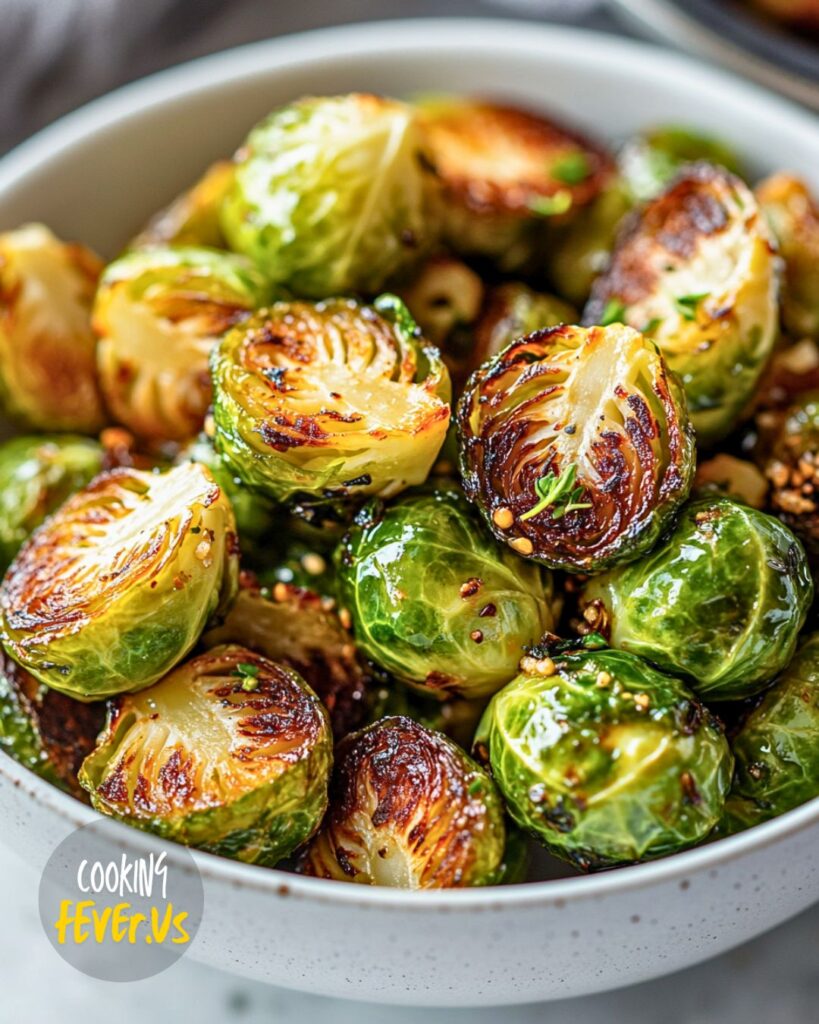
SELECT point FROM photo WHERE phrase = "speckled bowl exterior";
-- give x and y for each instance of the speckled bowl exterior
(96, 176)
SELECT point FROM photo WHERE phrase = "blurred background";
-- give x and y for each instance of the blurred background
(54, 56)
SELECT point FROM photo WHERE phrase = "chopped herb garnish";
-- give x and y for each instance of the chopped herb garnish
(558, 491)
(687, 304)
(614, 312)
(196, 529)
(475, 787)
(571, 168)
(552, 206)
(248, 674)
(652, 325)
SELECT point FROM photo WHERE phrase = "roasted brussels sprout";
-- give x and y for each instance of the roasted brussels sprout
(48, 374)
(329, 401)
(605, 759)
(115, 588)
(735, 478)
(648, 162)
(793, 469)
(158, 314)
(456, 718)
(793, 213)
(512, 312)
(37, 474)
(408, 809)
(193, 218)
(507, 176)
(44, 730)
(576, 446)
(695, 270)
(444, 297)
(720, 601)
(330, 195)
(299, 628)
(230, 753)
(435, 601)
(777, 748)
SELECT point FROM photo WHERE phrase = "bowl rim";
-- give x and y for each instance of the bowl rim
(213, 72)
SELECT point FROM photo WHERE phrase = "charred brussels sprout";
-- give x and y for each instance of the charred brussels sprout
(44, 730)
(298, 628)
(115, 588)
(576, 446)
(158, 314)
(507, 176)
(410, 810)
(696, 271)
(650, 161)
(777, 748)
(48, 374)
(193, 218)
(37, 474)
(720, 601)
(435, 601)
(330, 195)
(230, 753)
(793, 213)
(604, 759)
(329, 401)
(514, 311)
(792, 468)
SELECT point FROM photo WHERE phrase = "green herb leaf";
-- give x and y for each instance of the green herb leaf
(614, 312)
(571, 168)
(552, 206)
(557, 491)
(652, 325)
(687, 304)
(248, 674)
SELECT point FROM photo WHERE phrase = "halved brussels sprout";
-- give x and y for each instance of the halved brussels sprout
(159, 313)
(696, 270)
(649, 161)
(576, 446)
(331, 196)
(605, 759)
(777, 748)
(435, 601)
(793, 468)
(48, 372)
(115, 588)
(720, 601)
(230, 753)
(44, 730)
(410, 810)
(37, 474)
(508, 175)
(793, 213)
(193, 218)
(514, 311)
(735, 478)
(299, 628)
(328, 401)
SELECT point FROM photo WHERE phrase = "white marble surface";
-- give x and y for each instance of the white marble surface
(774, 980)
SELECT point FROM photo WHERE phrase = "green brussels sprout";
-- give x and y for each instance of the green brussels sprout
(327, 402)
(48, 373)
(230, 753)
(45, 731)
(649, 161)
(603, 758)
(512, 312)
(435, 601)
(777, 747)
(37, 474)
(410, 810)
(255, 515)
(580, 249)
(720, 601)
(508, 176)
(298, 628)
(576, 446)
(331, 196)
(793, 213)
(696, 271)
(792, 468)
(158, 314)
(443, 298)
(115, 588)
(193, 218)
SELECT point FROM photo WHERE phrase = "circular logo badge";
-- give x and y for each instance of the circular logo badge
(114, 912)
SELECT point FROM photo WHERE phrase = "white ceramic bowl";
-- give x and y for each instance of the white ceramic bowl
(96, 175)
